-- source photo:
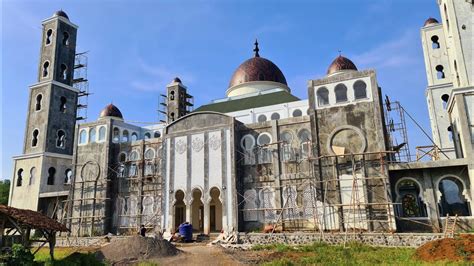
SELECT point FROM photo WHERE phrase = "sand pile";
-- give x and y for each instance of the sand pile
(448, 249)
(137, 248)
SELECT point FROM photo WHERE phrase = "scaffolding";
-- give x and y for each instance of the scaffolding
(139, 196)
(346, 193)
(396, 129)
(81, 83)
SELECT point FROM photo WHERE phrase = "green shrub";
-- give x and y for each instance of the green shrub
(21, 255)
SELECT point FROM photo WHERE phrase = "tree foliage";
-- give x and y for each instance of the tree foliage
(4, 190)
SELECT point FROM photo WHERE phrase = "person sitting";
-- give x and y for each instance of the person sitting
(142, 231)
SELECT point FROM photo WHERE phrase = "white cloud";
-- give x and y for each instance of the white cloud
(155, 77)
(397, 52)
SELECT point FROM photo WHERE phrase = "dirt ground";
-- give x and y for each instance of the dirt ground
(200, 254)
(452, 249)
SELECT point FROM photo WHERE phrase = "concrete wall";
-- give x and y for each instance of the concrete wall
(355, 126)
(386, 240)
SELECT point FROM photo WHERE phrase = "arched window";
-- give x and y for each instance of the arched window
(147, 135)
(45, 69)
(360, 90)
(121, 171)
(172, 116)
(34, 140)
(323, 96)
(116, 135)
(122, 157)
(32, 175)
(67, 176)
(82, 136)
(51, 174)
(287, 152)
(297, 113)
(157, 134)
(445, 99)
(265, 152)
(435, 42)
(452, 199)
(102, 132)
(409, 196)
(60, 139)
(149, 154)
(451, 133)
(125, 136)
(440, 72)
(19, 178)
(261, 76)
(262, 118)
(48, 36)
(149, 168)
(65, 38)
(341, 93)
(39, 98)
(247, 142)
(304, 137)
(171, 95)
(134, 156)
(92, 135)
(62, 105)
(63, 71)
(134, 136)
(133, 171)
(275, 116)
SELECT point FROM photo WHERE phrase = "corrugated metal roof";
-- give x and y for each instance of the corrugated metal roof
(249, 102)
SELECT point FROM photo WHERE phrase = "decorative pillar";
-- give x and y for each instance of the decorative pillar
(206, 218)
(189, 213)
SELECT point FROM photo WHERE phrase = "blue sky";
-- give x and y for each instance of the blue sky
(137, 47)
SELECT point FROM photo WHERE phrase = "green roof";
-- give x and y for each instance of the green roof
(249, 102)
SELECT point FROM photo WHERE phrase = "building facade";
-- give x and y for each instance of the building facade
(260, 156)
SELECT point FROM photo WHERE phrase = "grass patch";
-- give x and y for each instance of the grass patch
(67, 256)
(354, 254)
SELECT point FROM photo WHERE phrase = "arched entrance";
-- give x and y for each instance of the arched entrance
(197, 211)
(179, 209)
(215, 211)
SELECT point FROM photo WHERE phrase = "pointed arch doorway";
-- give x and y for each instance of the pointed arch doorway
(215, 210)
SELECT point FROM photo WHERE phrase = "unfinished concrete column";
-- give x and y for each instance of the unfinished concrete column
(430, 198)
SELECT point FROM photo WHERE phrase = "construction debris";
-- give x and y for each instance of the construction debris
(137, 248)
(225, 238)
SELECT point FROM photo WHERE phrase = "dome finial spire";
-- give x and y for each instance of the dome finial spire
(256, 48)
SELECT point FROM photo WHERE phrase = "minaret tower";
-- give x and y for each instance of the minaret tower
(179, 103)
(42, 173)
(440, 85)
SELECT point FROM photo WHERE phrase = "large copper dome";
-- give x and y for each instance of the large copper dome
(257, 69)
(111, 110)
(339, 64)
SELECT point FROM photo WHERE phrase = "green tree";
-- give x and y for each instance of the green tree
(4, 191)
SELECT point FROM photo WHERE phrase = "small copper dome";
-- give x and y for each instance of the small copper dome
(111, 110)
(61, 13)
(177, 80)
(339, 64)
(430, 20)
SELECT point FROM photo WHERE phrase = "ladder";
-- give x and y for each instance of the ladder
(450, 226)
